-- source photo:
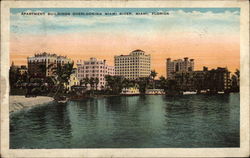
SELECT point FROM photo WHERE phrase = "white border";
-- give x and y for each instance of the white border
(243, 151)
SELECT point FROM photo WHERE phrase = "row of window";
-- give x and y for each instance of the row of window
(131, 58)
(131, 67)
(132, 63)
(93, 71)
(135, 73)
(93, 67)
(93, 63)
(126, 69)
(101, 76)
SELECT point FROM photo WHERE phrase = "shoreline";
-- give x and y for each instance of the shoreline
(17, 102)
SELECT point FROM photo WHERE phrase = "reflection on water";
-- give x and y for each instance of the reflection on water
(135, 122)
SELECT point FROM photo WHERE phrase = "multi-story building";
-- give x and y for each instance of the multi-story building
(94, 68)
(136, 64)
(212, 80)
(41, 64)
(220, 79)
(178, 65)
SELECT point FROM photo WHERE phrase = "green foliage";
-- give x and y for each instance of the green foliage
(115, 83)
(143, 83)
(62, 75)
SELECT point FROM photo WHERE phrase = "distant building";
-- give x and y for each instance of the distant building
(17, 74)
(41, 64)
(212, 80)
(94, 68)
(136, 64)
(73, 80)
(179, 65)
(19, 69)
(220, 79)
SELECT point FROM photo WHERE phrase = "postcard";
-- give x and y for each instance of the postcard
(125, 79)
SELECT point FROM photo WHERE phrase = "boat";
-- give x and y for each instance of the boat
(130, 91)
(155, 91)
(220, 92)
(203, 92)
(61, 99)
(189, 92)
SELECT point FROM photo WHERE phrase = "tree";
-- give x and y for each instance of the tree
(163, 83)
(92, 82)
(237, 73)
(172, 87)
(62, 75)
(235, 81)
(85, 81)
(115, 83)
(96, 82)
(126, 83)
(143, 83)
(153, 74)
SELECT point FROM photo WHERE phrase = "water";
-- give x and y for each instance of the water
(130, 122)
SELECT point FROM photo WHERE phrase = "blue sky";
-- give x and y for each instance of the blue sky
(178, 19)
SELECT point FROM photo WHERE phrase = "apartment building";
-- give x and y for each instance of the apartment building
(178, 65)
(94, 68)
(41, 64)
(136, 64)
(213, 80)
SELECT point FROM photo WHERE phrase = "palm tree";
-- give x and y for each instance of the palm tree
(143, 84)
(62, 74)
(115, 83)
(237, 73)
(163, 83)
(126, 83)
(96, 82)
(85, 81)
(153, 74)
(92, 82)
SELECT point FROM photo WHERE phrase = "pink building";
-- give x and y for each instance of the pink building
(94, 68)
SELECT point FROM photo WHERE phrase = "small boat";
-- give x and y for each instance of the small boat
(203, 92)
(221, 92)
(189, 92)
(61, 99)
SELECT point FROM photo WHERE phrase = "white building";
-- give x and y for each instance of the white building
(136, 64)
(94, 68)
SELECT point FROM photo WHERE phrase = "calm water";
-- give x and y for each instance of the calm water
(134, 121)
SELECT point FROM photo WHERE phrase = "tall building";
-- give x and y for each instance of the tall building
(41, 64)
(94, 68)
(179, 65)
(213, 80)
(136, 64)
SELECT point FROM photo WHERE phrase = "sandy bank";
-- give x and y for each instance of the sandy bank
(20, 102)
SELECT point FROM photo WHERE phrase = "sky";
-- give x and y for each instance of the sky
(210, 36)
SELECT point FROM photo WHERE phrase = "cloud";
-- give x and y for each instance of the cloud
(177, 20)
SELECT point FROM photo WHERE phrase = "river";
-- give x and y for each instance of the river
(151, 121)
